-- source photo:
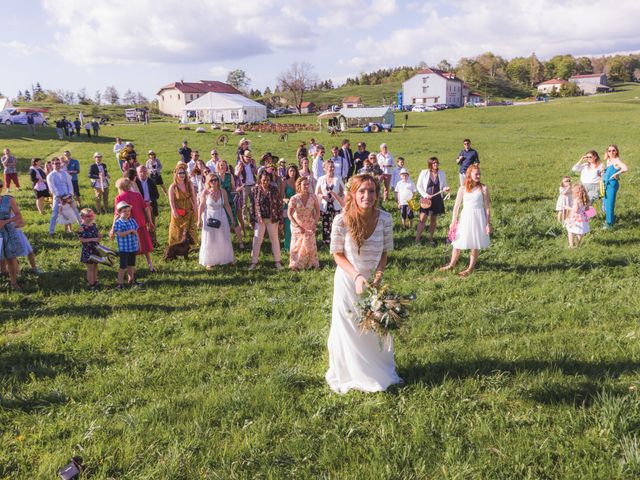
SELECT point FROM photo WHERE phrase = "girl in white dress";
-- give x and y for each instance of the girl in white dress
(563, 204)
(578, 223)
(474, 227)
(361, 237)
(215, 243)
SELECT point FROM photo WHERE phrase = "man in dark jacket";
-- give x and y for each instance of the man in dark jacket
(149, 191)
(361, 155)
(185, 152)
(347, 156)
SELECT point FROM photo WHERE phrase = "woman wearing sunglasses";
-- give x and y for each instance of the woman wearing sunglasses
(611, 178)
(182, 200)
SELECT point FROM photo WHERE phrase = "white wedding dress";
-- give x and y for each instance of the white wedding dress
(358, 360)
(472, 227)
(215, 243)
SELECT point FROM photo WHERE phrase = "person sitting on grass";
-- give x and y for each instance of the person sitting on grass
(126, 230)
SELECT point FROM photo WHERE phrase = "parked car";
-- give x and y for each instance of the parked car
(14, 117)
(430, 108)
(418, 108)
(440, 106)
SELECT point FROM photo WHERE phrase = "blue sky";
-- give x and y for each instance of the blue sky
(144, 44)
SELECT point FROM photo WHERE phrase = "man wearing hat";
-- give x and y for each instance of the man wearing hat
(100, 183)
(185, 152)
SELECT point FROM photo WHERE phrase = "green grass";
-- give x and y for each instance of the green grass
(528, 369)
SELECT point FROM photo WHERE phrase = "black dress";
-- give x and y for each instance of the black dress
(88, 248)
(437, 202)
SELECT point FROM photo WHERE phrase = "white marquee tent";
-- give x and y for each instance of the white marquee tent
(5, 103)
(226, 107)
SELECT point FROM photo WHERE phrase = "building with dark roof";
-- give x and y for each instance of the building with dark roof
(173, 97)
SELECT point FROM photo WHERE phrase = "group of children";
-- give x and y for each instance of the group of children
(125, 229)
(574, 210)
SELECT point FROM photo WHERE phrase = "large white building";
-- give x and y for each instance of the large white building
(225, 108)
(591, 83)
(172, 98)
(431, 87)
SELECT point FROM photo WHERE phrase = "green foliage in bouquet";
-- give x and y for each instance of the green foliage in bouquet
(382, 310)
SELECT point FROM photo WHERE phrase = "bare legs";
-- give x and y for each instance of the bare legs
(433, 224)
(455, 256)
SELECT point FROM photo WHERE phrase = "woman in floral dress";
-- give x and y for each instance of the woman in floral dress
(304, 213)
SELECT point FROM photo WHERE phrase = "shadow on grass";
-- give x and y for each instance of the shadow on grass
(557, 266)
(19, 364)
(583, 379)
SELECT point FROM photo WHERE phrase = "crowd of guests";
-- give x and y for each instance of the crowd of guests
(213, 199)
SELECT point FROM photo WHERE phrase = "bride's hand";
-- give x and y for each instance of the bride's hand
(361, 283)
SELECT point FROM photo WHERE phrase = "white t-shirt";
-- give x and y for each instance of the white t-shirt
(318, 167)
(405, 191)
(587, 173)
(386, 163)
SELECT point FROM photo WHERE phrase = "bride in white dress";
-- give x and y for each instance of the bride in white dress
(215, 243)
(474, 227)
(360, 238)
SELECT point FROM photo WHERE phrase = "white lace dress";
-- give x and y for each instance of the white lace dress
(471, 233)
(357, 360)
(215, 243)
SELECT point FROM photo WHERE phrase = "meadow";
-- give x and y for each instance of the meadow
(529, 369)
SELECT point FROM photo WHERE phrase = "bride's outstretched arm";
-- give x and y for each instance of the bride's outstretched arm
(350, 270)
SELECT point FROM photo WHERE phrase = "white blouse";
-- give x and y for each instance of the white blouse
(588, 174)
(322, 188)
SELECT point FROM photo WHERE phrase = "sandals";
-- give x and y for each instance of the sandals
(446, 268)
(465, 273)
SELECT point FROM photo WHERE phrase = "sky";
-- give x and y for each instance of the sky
(144, 44)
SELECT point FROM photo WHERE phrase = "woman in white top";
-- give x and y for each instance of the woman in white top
(473, 230)
(116, 150)
(430, 183)
(591, 170)
(330, 192)
(385, 160)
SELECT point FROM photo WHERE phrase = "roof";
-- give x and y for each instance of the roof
(475, 94)
(306, 104)
(553, 81)
(440, 73)
(221, 101)
(590, 75)
(352, 100)
(364, 112)
(329, 114)
(202, 86)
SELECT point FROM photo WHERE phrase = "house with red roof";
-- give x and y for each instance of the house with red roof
(552, 85)
(172, 98)
(433, 87)
(308, 107)
(352, 102)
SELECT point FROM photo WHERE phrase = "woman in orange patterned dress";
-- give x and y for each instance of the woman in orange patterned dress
(304, 212)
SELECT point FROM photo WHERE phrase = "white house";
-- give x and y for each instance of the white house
(592, 83)
(5, 104)
(431, 87)
(549, 86)
(226, 107)
(173, 97)
(474, 98)
(352, 102)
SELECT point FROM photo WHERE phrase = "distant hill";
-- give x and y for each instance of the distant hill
(57, 110)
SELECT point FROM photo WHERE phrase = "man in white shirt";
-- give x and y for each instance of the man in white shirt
(60, 186)
(318, 162)
(195, 155)
(340, 163)
(212, 164)
(385, 161)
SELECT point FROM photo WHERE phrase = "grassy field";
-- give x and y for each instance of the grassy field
(529, 369)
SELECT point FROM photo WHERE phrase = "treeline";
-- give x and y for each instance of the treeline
(386, 75)
(110, 96)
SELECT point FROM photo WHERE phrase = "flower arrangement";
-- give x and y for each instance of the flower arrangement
(382, 310)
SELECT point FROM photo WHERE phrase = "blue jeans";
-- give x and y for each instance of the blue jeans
(54, 215)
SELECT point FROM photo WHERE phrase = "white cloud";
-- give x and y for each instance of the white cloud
(164, 32)
(219, 72)
(19, 48)
(507, 28)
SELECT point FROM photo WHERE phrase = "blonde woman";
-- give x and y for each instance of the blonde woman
(611, 177)
(213, 215)
(361, 238)
(182, 200)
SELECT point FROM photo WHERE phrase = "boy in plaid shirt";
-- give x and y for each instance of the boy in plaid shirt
(126, 230)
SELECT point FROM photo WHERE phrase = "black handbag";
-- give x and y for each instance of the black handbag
(213, 223)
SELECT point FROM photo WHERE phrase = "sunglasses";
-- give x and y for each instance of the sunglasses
(612, 150)
(182, 173)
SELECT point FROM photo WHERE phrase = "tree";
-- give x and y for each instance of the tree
(536, 70)
(238, 79)
(69, 97)
(518, 70)
(27, 96)
(141, 99)
(444, 65)
(560, 66)
(297, 80)
(267, 91)
(96, 97)
(37, 93)
(111, 95)
(129, 98)
(83, 97)
(583, 66)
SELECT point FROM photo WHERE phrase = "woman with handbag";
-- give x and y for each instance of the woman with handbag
(39, 182)
(213, 215)
(432, 182)
(472, 232)
(182, 200)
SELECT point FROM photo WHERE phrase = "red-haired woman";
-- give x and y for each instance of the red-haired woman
(361, 237)
(474, 227)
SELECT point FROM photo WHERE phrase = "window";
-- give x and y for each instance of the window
(178, 96)
(424, 79)
(163, 97)
(191, 95)
(424, 89)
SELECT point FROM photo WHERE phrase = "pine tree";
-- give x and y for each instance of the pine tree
(27, 96)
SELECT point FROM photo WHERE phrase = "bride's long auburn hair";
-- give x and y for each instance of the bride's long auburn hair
(468, 183)
(352, 214)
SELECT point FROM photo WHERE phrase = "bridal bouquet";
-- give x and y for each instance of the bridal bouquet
(382, 310)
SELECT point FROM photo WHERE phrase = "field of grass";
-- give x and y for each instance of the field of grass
(529, 369)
